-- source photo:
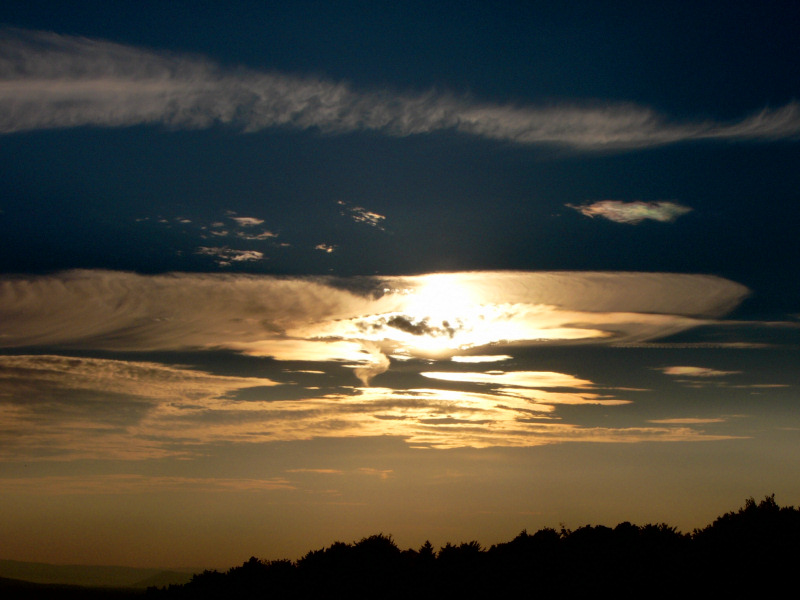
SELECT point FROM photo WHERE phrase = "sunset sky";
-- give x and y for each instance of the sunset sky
(278, 274)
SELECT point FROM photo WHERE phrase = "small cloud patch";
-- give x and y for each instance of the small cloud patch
(226, 256)
(687, 421)
(264, 235)
(633, 213)
(247, 221)
(360, 214)
(683, 371)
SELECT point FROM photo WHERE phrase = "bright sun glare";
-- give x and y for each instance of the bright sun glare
(440, 297)
(451, 312)
(448, 308)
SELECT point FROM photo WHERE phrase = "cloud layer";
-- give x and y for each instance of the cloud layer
(444, 314)
(49, 80)
(67, 408)
(54, 406)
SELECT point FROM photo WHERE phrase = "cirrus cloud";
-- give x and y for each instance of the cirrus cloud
(49, 81)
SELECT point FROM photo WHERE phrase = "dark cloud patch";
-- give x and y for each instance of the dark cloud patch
(421, 327)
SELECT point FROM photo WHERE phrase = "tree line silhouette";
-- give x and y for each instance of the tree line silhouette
(755, 549)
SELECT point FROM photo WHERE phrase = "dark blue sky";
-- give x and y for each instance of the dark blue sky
(703, 57)
(70, 197)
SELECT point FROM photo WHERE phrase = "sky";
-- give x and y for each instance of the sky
(274, 275)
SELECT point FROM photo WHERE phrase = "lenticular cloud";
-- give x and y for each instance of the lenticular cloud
(354, 320)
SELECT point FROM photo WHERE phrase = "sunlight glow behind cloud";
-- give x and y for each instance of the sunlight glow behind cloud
(426, 315)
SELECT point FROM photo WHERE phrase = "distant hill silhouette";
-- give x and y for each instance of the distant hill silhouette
(161, 579)
(90, 575)
(15, 589)
(754, 550)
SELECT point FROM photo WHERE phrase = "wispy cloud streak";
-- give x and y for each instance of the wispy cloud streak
(62, 485)
(683, 371)
(49, 80)
(69, 408)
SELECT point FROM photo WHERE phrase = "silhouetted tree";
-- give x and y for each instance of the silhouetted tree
(753, 549)
(757, 546)
(426, 552)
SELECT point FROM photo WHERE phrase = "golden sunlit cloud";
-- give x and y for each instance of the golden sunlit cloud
(423, 417)
(148, 380)
(306, 350)
(532, 379)
(445, 312)
(68, 408)
(527, 385)
(61, 408)
(358, 321)
(482, 358)
(247, 221)
(696, 372)
(553, 398)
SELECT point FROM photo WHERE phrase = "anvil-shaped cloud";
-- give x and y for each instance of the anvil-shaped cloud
(352, 320)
